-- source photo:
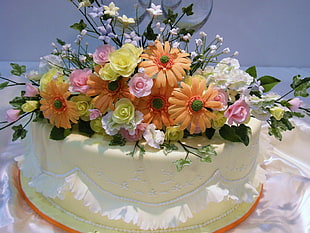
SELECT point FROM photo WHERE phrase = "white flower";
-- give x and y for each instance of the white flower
(157, 25)
(213, 47)
(153, 137)
(84, 3)
(132, 38)
(187, 37)
(125, 20)
(202, 34)
(176, 44)
(111, 10)
(193, 55)
(226, 50)
(48, 62)
(82, 58)
(174, 31)
(66, 47)
(198, 42)
(219, 38)
(236, 53)
(155, 10)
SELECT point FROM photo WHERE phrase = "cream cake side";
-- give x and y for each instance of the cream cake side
(102, 187)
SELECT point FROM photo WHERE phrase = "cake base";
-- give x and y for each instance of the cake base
(73, 224)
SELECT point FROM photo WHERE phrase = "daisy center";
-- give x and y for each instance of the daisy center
(113, 85)
(164, 59)
(157, 103)
(196, 104)
(58, 104)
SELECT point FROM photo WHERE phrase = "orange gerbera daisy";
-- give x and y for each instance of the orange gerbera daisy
(56, 107)
(107, 92)
(155, 107)
(168, 63)
(190, 105)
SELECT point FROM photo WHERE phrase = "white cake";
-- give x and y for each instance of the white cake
(86, 185)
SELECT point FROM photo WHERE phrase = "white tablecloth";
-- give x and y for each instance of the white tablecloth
(284, 207)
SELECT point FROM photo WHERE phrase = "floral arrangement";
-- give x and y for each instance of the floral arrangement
(145, 84)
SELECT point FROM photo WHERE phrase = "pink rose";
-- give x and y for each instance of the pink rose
(12, 115)
(296, 103)
(31, 91)
(101, 54)
(138, 133)
(78, 79)
(222, 97)
(140, 85)
(237, 112)
(94, 113)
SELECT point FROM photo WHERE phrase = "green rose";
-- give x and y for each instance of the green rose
(49, 76)
(30, 105)
(124, 60)
(277, 112)
(82, 104)
(106, 73)
(124, 111)
(174, 133)
(96, 125)
(219, 121)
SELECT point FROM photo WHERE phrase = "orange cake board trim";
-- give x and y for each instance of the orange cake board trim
(68, 229)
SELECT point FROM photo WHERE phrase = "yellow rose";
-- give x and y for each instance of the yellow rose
(188, 79)
(106, 73)
(219, 121)
(174, 133)
(277, 112)
(82, 104)
(30, 105)
(96, 125)
(48, 76)
(124, 111)
(124, 60)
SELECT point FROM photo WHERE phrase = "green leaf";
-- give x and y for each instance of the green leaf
(207, 150)
(17, 69)
(180, 163)
(3, 85)
(188, 10)
(60, 42)
(167, 148)
(252, 71)
(84, 128)
(301, 86)
(117, 140)
(59, 133)
(17, 102)
(236, 133)
(19, 132)
(171, 17)
(276, 127)
(268, 82)
(210, 133)
(79, 26)
(149, 33)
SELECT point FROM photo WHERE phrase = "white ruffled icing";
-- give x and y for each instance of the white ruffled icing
(144, 215)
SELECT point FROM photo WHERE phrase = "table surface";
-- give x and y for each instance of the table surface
(284, 207)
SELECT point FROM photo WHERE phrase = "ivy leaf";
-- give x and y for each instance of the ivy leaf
(171, 17)
(188, 10)
(236, 133)
(59, 133)
(180, 163)
(268, 82)
(252, 71)
(167, 148)
(3, 85)
(278, 126)
(17, 69)
(84, 128)
(19, 132)
(79, 26)
(17, 102)
(300, 86)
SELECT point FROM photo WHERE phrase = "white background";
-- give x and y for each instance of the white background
(265, 32)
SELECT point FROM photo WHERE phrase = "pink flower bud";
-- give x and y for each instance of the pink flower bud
(31, 91)
(101, 54)
(296, 103)
(12, 115)
(140, 85)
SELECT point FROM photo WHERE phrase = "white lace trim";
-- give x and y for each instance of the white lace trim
(145, 215)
